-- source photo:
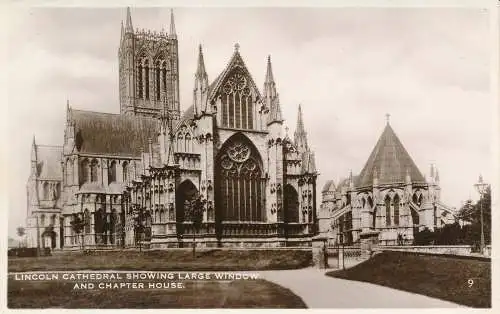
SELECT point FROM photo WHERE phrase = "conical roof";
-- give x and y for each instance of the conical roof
(391, 162)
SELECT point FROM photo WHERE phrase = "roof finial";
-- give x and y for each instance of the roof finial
(236, 47)
(387, 117)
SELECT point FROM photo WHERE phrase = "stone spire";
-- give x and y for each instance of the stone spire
(300, 135)
(128, 26)
(173, 33)
(200, 86)
(271, 97)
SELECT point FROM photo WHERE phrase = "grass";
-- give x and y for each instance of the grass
(440, 277)
(182, 260)
(196, 294)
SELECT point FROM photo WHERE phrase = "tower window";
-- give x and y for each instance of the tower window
(139, 81)
(158, 79)
(146, 79)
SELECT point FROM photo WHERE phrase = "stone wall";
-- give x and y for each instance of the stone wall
(462, 250)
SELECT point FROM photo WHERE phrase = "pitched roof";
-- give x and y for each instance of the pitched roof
(391, 162)
(236, 61)
(49, 162)
(328, 187)
(112, 134)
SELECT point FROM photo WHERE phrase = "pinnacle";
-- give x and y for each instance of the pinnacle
(128, 27)
(172, 24)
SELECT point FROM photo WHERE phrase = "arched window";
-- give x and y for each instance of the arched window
(53, 220)
(239, 186)
(84, 171)
(42, 220)
(237, 105)
(374, 222)
(146, 79)
(396, 209)
(125, 171)
(86, 221)
(57, 191)
(112, 172)
(387, 210)
(188, 143)
(291, 204)
(158, 80)
(93, 171)
(180, 143)
(45, 190)
(69, 172)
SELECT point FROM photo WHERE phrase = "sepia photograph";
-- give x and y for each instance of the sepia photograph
(337, 157)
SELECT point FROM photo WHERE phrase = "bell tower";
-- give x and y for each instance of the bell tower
(148, 71)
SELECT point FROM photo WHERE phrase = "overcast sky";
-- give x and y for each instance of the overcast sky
(428, 68)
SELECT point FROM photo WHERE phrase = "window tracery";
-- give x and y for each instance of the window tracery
(239, 183)
(237, 105)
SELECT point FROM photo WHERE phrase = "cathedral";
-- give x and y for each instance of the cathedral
(387, 203)
(142, 166)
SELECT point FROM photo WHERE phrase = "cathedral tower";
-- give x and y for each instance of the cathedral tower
(148, 71)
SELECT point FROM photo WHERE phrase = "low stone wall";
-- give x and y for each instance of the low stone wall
(461, 250)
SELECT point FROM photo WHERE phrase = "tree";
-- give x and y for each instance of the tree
(20, 233)
(138, 227)
(194, 213)
(77, 225)
(471, 213)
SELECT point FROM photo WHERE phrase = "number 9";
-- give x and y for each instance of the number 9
(470, 282)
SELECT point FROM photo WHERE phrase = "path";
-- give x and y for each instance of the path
(319, 291)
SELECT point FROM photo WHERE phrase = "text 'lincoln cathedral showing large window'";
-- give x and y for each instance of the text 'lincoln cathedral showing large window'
(240, 186)
(237, 106)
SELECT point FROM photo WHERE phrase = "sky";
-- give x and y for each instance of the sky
(348, 67)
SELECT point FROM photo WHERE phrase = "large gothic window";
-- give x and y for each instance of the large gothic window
(237, 105)
(291, 204)
(239, 184)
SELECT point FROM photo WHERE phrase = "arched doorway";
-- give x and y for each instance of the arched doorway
(186, 191)
(291, 204)
(239, 186)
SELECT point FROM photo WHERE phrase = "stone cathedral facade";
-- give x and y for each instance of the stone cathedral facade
(146, 163)
(389, 201)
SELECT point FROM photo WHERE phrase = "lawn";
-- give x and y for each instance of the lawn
(200, 294)
(441, 277)
(182, 260)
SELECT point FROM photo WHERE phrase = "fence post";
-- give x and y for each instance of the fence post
(319, 251)
(369, 241)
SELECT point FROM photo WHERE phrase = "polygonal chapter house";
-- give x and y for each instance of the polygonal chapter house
(389, 200)
(142, 167)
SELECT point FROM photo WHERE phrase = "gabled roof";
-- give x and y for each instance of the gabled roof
(112, 134)
(391, 162)
(328, 187)
(48, 159)
(236, 62)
